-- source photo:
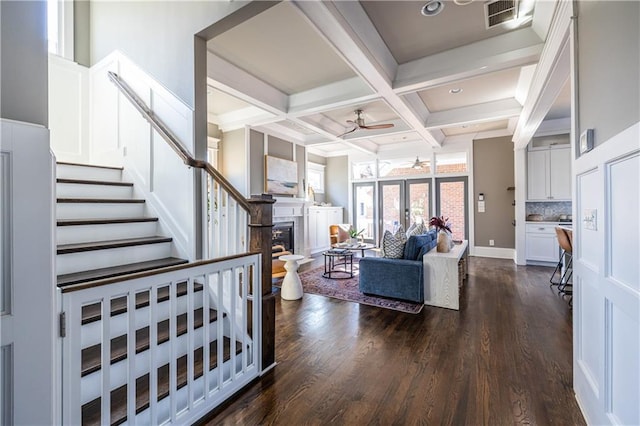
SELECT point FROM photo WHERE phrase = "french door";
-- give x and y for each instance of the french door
(451, 202)
(364, 211)
(403, 203)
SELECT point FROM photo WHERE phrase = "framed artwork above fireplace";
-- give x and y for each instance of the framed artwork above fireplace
(281, 176)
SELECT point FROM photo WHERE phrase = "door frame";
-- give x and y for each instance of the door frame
(465, 180)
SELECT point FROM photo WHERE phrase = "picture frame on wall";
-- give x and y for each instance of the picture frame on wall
(281, 176)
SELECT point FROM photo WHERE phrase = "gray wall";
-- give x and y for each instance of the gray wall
(318, 159)
(157, 36)
(82, 32)
(493, 173)
(608, 66)
(337, 183)
(23, 72)
(233, 155)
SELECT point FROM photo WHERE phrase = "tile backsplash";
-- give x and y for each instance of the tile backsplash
(549, 210)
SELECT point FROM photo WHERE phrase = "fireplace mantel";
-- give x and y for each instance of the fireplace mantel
(288, 207)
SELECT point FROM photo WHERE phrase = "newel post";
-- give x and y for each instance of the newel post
(260, 224)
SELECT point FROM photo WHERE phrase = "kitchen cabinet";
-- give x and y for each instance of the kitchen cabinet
(318, 220)
(541, 242)
(549, 174)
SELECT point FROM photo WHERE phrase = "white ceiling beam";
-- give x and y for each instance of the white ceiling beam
(347, 28)
(235, 81)
(516, 48)
(331, 96)
(551, 74)
(488, 111)
(558, 126)
(239, 118)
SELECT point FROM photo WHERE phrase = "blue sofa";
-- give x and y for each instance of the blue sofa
(398, 278)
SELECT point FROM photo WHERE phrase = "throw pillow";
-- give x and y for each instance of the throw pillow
(416, 229)
(393, 245)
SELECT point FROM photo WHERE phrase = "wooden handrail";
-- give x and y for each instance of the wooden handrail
(173, 141)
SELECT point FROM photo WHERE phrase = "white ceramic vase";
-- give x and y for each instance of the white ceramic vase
(445, 241)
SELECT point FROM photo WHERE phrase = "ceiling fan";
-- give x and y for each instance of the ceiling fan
(359, 124)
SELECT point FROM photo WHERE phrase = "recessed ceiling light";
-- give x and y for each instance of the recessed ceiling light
(432, 8)
(455, 90)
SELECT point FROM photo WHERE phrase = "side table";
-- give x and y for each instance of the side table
(291, 284)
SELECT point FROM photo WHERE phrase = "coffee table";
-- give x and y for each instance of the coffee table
(338, 263)
(362, 247)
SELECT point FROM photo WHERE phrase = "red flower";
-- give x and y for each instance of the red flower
(440, 223)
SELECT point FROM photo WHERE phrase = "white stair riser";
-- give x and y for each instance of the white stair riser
(104, 232)
(67, 171)
(81, 190)
(91, 386)
(91, 334)
(96, 259)
(99, 210)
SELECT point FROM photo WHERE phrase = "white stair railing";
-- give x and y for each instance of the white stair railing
(227, 227)
(167, 350)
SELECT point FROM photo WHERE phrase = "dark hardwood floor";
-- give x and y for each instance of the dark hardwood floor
(504, 358)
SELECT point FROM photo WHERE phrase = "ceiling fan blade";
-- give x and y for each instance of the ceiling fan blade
(378, 126)
(346, 133)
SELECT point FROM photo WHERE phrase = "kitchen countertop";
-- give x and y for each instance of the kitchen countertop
(549, 222)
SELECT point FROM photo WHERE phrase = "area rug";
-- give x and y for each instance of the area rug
(347, 289)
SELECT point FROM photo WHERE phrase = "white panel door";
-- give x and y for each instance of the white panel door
(607, 281)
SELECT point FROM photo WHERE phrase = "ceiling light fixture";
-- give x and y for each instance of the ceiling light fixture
(432, 8)
(455, 90)
(417, 164)
(462, 2)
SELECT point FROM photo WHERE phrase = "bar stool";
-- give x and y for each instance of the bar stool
(565, 260)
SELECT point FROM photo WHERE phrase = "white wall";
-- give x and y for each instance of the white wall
(69, 110)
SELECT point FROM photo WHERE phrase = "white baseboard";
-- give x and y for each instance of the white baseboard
(495, 252)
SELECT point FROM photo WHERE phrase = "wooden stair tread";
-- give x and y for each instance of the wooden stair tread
(95, 166)
(91, 355)
(91, 410)
(93, 312)
(102, 200)
(102, 245)
(117, 271)
(104, 221)
(93, 182)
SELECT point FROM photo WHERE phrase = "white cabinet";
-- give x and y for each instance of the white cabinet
(318, 221)
(549, 174)
(541, 242)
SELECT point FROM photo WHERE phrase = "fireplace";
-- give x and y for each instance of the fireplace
(282, 234)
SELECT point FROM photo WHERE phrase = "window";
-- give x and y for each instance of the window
(363, 170)
(315, 176)
(451, 162)
(404, 167)
(60, 28)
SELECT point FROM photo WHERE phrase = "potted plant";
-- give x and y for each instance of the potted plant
(445, 241)
(353, 234)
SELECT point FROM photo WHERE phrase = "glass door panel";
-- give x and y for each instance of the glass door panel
(391, 205)
(364, 201)
(418, 201)
(451, 202)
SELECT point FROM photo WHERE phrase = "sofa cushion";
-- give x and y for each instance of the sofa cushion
(393, 244)
(416, 243)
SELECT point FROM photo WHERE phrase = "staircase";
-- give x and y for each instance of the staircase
(102, 231)
(153, 347)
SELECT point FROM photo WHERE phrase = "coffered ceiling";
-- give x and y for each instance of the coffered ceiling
(300, 70)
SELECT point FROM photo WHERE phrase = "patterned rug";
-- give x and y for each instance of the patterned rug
(347, 289)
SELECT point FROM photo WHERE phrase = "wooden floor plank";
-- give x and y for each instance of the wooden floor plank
(504, 358)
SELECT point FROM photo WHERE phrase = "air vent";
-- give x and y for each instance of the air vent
(500, 11)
